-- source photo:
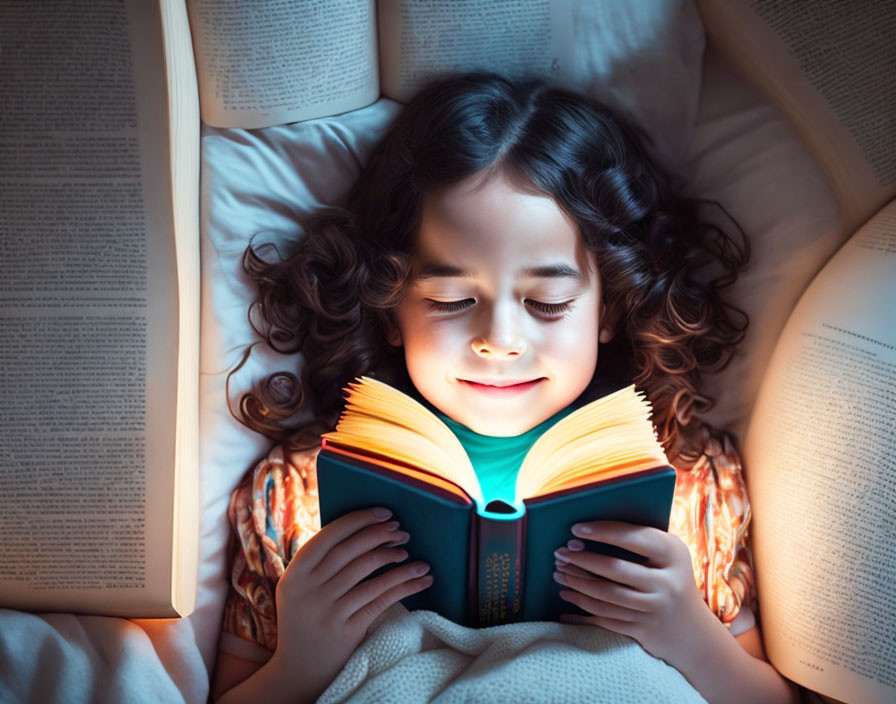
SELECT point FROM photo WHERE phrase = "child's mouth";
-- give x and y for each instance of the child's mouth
(512, 389)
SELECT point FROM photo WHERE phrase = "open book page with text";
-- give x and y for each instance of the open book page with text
(270, 62)
(89, 312)
(829, 67)
(819, 457)
(419, 40)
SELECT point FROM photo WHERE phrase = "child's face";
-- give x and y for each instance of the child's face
(501, 327)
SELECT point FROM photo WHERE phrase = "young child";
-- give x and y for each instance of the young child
(505, 241)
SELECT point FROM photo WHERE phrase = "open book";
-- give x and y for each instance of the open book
(492, 557)
(819, 453)
(99, 176)
(344, 54)
(100, 310)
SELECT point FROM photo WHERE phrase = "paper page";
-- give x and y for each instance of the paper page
(269, 62)
(88, 310)
(830, 69)
(183, 121)
(420, 39)
(820, 457)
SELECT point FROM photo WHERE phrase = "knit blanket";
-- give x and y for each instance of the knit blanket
(420, 656)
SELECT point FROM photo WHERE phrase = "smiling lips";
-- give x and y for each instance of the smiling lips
(502, 387)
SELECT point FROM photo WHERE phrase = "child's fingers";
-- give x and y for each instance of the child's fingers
(361, 567)
(357, 549)
(653, 543)
(573, 570)
(369, 599)
(321, 543)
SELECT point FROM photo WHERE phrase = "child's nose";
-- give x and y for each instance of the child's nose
(502, 339)
(494, 348)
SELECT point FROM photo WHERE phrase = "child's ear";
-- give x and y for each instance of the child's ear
(607, 326)
(393, 334)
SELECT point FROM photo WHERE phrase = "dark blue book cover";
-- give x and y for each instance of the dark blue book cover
(490, 564)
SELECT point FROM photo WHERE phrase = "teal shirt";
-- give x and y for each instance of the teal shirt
(497, 459)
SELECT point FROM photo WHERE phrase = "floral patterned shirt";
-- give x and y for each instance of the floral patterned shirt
(274, 510)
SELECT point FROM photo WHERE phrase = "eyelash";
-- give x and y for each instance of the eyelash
(549, 309)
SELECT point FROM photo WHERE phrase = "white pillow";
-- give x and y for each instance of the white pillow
(643, 57)
(749, 158)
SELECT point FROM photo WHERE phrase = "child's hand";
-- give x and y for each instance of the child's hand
(657, 604)
(322, 610)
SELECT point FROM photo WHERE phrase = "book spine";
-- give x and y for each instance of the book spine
(499, 569)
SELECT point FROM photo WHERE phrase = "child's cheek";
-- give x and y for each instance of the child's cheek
(434, 345)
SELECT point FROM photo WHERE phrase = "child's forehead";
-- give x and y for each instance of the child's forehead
(492, 222)
(496, 210)
(440, 254)
(490, 187)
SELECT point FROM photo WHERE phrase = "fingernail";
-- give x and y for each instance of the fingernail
(560, 560)
(575, 544)
(559, 555)
(419, 569)
(400, 541)
(426, 581)
(582, 529)
(391, 525)
(558, 577)
(382, 512)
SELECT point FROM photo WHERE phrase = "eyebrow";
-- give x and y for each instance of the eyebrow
(551, 271)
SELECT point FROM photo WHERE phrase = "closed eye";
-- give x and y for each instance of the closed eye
(449, 306)
(551, 310)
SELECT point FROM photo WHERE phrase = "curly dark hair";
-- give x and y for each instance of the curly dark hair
(332, 295)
